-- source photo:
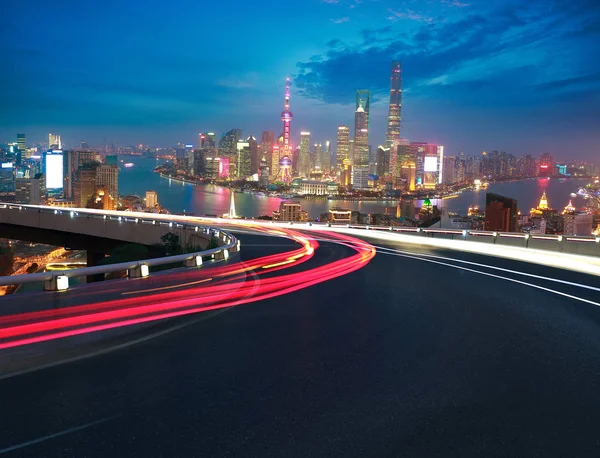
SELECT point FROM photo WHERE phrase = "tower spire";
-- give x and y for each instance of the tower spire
(232, 206)
(286, 117)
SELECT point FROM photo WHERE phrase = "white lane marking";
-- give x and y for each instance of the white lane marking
(383, 250)
(541, 277)
(52, 436)
(560, 293)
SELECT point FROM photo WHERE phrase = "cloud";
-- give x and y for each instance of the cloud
(341, 20)
(408, 14)
(331, 2)
(462, 53)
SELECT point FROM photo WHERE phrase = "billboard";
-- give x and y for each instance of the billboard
(54, 171)
(430, 164)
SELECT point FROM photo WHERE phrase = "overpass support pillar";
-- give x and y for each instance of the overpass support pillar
(93, 258)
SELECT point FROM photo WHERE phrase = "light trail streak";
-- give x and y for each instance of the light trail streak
(231, 290)
(163, 288)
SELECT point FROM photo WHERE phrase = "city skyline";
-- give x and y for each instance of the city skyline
(459, 88)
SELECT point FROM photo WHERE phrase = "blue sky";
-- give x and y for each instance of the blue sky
(523, 77)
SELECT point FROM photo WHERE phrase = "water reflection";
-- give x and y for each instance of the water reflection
(213, 200)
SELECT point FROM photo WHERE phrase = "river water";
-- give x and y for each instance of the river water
(178, 197)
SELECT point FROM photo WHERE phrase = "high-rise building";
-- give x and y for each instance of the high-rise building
(7, 182)
(263, 172)
(85, 146)
(244, 164)
(450, 170)
(84, 185)
(361, 138)
(54, 171)
(54, 142)
(343, 146)
(151, 199)
(395, 109)
(363, 99)
(500, 213)
(228, 143)
(29, 190)
(267, 140)
(324, 157)
(346, 173)
(108, 176)
(21, 143)
(199, 162)
(382, 160)
(207, 140)
(360, 177)
(547, 167)
(275, 158)
(69, 159)
(254, 155)
(304, 165)
(327, 158)
(286, 151)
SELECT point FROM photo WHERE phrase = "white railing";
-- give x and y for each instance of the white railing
(59, 280)
(572, 244)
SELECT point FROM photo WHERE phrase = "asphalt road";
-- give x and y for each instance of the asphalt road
(405, 357)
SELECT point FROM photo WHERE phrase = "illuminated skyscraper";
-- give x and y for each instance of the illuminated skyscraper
(108, 176)
(244, 159)
(54, 142)
(326, 160)
(21, 144)
(84, 185)
(395, 110)
(275, 156)
(343, 146)
(228, 142)
(266, 147)
(254, 155)
(361, 137)
(304, 160)
(363, 99)
(263, 172)
(286, 117)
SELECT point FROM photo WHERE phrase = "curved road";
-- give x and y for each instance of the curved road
(429, 354)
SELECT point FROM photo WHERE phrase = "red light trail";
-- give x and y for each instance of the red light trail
(228, 286)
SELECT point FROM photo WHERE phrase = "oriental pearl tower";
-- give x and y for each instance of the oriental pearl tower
(285, 163)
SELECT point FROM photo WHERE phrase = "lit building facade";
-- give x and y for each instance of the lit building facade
(290, 211)
(395, 110)
(304, 165)
(151, 199)
(244, 159)
(7, 182)
(314, 187)
(84, 186)
(340, 215)
(343, 146)
(54, 142)
(360, 157)
(108, 176)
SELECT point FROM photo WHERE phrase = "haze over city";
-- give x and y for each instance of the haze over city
(477, 75)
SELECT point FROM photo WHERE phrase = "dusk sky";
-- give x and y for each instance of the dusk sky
(519, 76)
